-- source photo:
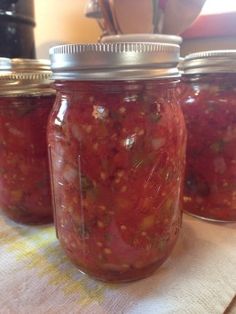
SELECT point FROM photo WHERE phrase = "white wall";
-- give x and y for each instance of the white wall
(62, 21)
(201, 44)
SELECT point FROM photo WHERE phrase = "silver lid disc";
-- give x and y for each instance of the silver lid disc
(155, 38)
(114, 61)
(215, 61)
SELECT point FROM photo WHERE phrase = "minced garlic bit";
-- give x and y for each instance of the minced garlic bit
(141, 132)
(73, 245)
(120, 173)
(187, 199)
(157, 143)
(103, 176)
(63, 222)
(99, 112)
(124, 188)
(88, 128)
(123, 227)
(95, 146)
(107, 251)
(102, 207)
(122, 109)
(100, 224)
(226, 202)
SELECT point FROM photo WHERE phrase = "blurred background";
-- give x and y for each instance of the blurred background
(64, 21)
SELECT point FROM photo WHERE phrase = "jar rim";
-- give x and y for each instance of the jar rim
(25, 68)
(21, 75)
(212, 61)
(114, 61)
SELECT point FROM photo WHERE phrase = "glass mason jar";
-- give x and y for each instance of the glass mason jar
(209, 106)
(26, 99)
(117, 149)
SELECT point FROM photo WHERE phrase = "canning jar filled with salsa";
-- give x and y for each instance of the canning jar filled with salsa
(117, 146)
(26, 99)
(209, 106)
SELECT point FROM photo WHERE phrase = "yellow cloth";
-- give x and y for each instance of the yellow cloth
(198, 278)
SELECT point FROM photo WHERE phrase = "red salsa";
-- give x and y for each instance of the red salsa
(24, 181)
(117, 153)
(209, 106)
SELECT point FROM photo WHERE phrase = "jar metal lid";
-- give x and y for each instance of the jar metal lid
(215, 61)
(19, 76)
(114, 61)
(157, 38)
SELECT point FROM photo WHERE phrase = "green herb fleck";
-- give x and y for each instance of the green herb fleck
(24, 110)
(86, 184)
(218, 146)
(155, 117)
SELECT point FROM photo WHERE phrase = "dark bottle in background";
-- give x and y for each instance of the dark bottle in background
(17, 29)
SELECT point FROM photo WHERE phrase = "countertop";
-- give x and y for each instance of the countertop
(199, 277)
